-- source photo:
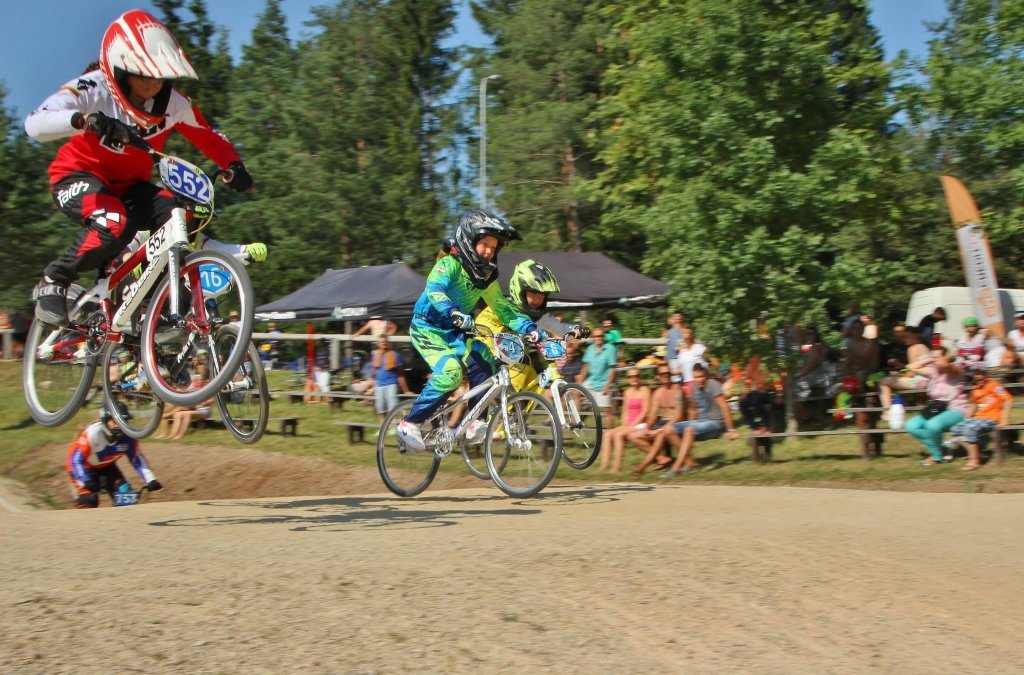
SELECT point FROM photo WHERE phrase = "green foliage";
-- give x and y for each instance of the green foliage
(747, 143)
(206, 47)
(971, 110)
(744, 151)
(29, 225)
(550, 57)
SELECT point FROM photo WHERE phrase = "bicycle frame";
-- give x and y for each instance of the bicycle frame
(497, 386)
(550, 378)
(162, 250)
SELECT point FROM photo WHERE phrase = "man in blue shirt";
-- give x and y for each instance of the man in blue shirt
(598, 372)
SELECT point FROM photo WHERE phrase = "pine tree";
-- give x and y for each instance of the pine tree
(206, 47)
(550, 57)
(29, 225)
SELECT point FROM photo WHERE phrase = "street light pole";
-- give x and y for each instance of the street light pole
(483, 138)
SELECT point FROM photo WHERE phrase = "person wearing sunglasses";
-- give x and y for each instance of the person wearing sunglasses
(668, 402)
(636, 401)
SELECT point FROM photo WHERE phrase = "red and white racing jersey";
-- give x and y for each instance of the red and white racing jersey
(118, 168)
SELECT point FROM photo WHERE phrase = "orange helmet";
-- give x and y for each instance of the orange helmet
(138, 44)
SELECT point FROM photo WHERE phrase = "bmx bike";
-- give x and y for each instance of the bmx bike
(522, 438)
(60, 362)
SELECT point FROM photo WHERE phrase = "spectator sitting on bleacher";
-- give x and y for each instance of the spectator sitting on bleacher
(990, 406)
(918, 356)
(927, 325)
(893, 355)
(668, 405)
(1016, 339)
(636, 403)
(176, 420)
(970, 348)
(947, 404)
(712, 418)
(364, 379)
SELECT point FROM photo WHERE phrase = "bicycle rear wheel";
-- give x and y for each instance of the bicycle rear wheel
(405, 472)
(124, 381)
(175, 358)
(56, 372)
(582, 431)
(244, 402)
(522, 455)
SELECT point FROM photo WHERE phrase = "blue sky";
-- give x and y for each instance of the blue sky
(49, 41)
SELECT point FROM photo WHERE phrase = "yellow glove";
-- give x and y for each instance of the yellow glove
(257, 251)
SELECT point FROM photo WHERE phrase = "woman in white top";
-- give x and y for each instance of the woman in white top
(689, 352)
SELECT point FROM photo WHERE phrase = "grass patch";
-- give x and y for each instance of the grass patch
(808, 461)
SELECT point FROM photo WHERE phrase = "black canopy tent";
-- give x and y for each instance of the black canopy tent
(356, 293)
(587, 280)
(590, 281)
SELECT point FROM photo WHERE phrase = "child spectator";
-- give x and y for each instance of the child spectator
(990, 406)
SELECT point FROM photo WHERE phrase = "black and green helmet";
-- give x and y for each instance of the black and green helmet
(531, 275)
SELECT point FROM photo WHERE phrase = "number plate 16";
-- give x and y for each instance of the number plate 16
(186, 179)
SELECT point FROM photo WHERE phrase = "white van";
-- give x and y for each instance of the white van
(956, 300)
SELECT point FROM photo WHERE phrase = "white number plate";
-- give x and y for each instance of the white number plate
(186, 179)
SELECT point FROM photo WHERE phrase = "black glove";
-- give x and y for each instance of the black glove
(112, 129)
(91, 485)
(580, 332)
(240, 181)
(153, 485)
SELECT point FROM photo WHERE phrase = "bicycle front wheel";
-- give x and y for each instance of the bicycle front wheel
(56, 372)
(244, 402)
(125, 382)
(522, 454)
(179, 360)
(582, 429)
(405, 471)
(474, 451)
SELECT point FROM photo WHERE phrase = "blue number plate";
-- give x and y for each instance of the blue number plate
(214, 278)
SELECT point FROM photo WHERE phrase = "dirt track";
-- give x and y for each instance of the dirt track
(614, 578)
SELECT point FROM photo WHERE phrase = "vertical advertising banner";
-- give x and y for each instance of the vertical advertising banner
(981, 278)
(975, 255)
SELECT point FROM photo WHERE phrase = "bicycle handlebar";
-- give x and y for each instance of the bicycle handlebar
(138, 141)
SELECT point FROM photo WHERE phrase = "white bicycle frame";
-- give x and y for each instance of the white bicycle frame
(497, 386)
(555, 384)
(158, 251)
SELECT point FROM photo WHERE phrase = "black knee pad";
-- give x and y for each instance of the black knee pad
(87, 501)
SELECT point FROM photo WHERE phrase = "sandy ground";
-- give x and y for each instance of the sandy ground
(584, 579)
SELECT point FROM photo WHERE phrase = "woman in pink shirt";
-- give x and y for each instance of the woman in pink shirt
(636, 401)
(947, 404)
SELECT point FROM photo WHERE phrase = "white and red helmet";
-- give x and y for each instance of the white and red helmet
(138, 44)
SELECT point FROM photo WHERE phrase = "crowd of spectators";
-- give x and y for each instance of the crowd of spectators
(694, 397)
